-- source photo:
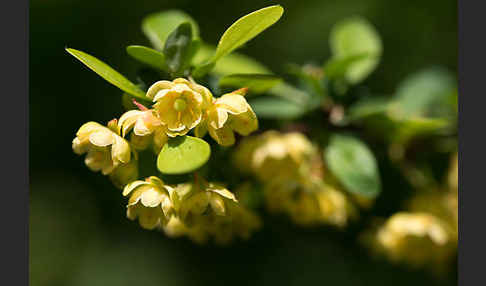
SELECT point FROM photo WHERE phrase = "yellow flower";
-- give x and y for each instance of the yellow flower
(104, 147)
(147, 128)
(237, 221)
(202, 200)
(308, 204)
(419, 239)
(228, 114)
(179, 104)
(273, 155)
(149, 201)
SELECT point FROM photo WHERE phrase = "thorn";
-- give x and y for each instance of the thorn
(139, 105)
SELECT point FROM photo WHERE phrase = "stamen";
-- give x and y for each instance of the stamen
(139, 105)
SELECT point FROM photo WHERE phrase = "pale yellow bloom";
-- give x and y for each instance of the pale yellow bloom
(273, 155)
(236, 222)
(150, 202)
(197, 201)
(309, 204)
(228, 114)
(179, 104)
(105, 148)
(147, 128)
(415, 238)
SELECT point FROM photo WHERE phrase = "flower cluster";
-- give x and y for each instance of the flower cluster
(426, 233)
(290, 168)
(198, 210)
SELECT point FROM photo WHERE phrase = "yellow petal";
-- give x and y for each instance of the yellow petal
(217, 205)
(132, 186)
(233, 103)
(149, 218)
(151, 197)
(141, 129)
(244, 123)
(88, 128)
(156, 87)
(102, 138)
(128, 119)
(161, 94)
(224, 136)
(160, 138)
(79, 147)
(224, 192)
(120, 151)
(201, 130)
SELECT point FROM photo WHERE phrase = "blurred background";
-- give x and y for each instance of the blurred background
(79, 234)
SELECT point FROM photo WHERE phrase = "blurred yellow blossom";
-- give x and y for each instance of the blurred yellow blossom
(416, 238)
(309, 204)
(206, 210)
(228, 114)
(274, 155)
(179, 104)
(149, 201)
(105, 148)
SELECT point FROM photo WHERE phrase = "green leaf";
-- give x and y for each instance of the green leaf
(367, 107)
(256, 83)
(158, 26)
(233, 63)
(339, 67)
(177, 49)
(246, 28)
(354, 165)
(352, 37)
(147, 56)
(276, 108)
(417, 126)
(108, 73)
(428, 93)
(183, 154)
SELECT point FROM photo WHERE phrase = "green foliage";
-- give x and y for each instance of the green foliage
(240, 32)
(246, 28)
(256, 83)
(108, 73)
(178, 49)
(148, 56)
(353, 38)
(158, 26)
(183, 154)
(427, 93)
(276, 108)
(354, 165)
(233, 63)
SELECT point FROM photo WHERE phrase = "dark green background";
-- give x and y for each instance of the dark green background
(78, 231)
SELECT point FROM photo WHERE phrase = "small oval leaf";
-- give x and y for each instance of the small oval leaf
(183, 154)
(177, 49)
(354, 165)
(246, 28)
(108, 73)
(147, 56)
(352, 37)
(256, 83)
(158, 26)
